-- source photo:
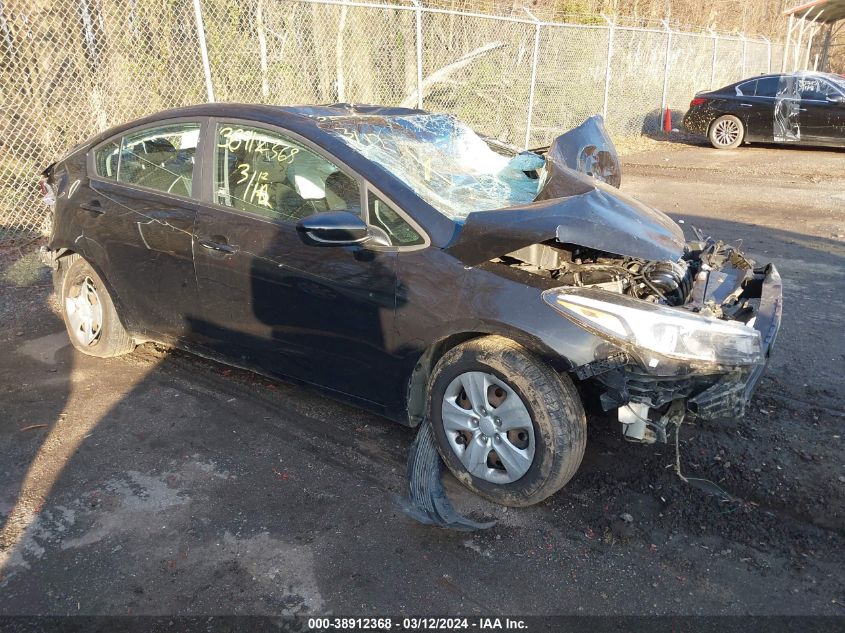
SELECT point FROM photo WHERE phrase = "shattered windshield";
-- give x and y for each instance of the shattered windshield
(441, 159)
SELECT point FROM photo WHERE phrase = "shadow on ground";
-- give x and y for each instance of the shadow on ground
(163, 483)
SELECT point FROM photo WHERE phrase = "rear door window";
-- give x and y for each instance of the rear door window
(160, 158)
(106, 158)
(746, 89)
(768, 86)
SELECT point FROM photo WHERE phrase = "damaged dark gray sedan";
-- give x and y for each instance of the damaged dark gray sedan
(398, 260)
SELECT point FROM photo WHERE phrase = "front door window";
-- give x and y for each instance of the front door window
(265, 173)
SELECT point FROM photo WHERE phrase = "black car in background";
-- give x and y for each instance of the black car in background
(392, 258)
(805, 108)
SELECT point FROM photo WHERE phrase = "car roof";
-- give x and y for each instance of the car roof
(302, 120)
(298, 115)
(799, 73)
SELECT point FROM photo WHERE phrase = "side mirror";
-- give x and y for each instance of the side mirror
(837, 99)
(333, 228)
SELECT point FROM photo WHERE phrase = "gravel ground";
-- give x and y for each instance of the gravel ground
(159, 483)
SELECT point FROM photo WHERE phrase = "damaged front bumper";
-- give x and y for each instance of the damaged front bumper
(648, 401)
(732, 392)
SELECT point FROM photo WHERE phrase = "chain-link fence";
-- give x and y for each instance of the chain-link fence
(72, 68)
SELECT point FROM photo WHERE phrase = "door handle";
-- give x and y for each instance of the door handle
(747, 105)
(221, 247)
(93, 206)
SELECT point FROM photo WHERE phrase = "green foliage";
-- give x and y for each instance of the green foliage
(577, 12)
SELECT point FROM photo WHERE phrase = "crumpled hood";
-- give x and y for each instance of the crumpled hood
(591, 214)
(574, 205)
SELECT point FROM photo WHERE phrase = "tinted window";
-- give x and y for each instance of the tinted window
(747, 89)
(767, 86)
(264, 172)
(105, 160)
(385, 217)
(160, 158)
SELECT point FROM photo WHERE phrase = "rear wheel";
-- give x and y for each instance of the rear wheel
(88, 311)
(726, 132)
(507, 425)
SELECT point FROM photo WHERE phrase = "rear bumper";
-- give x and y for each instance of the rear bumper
(697, 120)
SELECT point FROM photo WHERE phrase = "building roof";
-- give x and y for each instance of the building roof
(831, 10)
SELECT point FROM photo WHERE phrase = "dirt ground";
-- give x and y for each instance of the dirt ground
(159, 483)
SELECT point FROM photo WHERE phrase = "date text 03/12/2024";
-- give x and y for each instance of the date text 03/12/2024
(417, 624)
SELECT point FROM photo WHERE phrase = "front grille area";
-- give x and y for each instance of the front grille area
(655, 391)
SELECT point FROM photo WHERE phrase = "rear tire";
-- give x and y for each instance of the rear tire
(525, 428)
(88, 311)
(726, 132)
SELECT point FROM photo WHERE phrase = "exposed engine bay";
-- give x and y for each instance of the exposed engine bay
(708, 279)
(711, 279)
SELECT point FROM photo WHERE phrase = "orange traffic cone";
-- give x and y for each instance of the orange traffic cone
(667, 120)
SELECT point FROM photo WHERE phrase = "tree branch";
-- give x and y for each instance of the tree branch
(442, 73)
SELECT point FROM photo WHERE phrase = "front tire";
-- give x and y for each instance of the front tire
(726, 132)
(88, 311)
(507, 425)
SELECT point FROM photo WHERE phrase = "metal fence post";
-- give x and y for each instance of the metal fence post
(744, 54)
(206, 68)
(810, 48)
(665, 99)
(797, 54)
(787, 43)
(713, 60)
(768, 53)
(610, 32)
(533, 85)
(418, 14)
(262, 50)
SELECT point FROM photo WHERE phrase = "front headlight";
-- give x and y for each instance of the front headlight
(667, 331)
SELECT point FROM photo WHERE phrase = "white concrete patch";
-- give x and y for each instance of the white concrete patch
(279, 567)
(44, 349)
(43, 528)
(134, 502)
(475, 547)
(139, 499)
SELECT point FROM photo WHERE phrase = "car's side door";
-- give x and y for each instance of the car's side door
(834, 101)
(754, 112)
(269, 299)
(137, 219)
(837, 117)
(817, 111)
(759, 108)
